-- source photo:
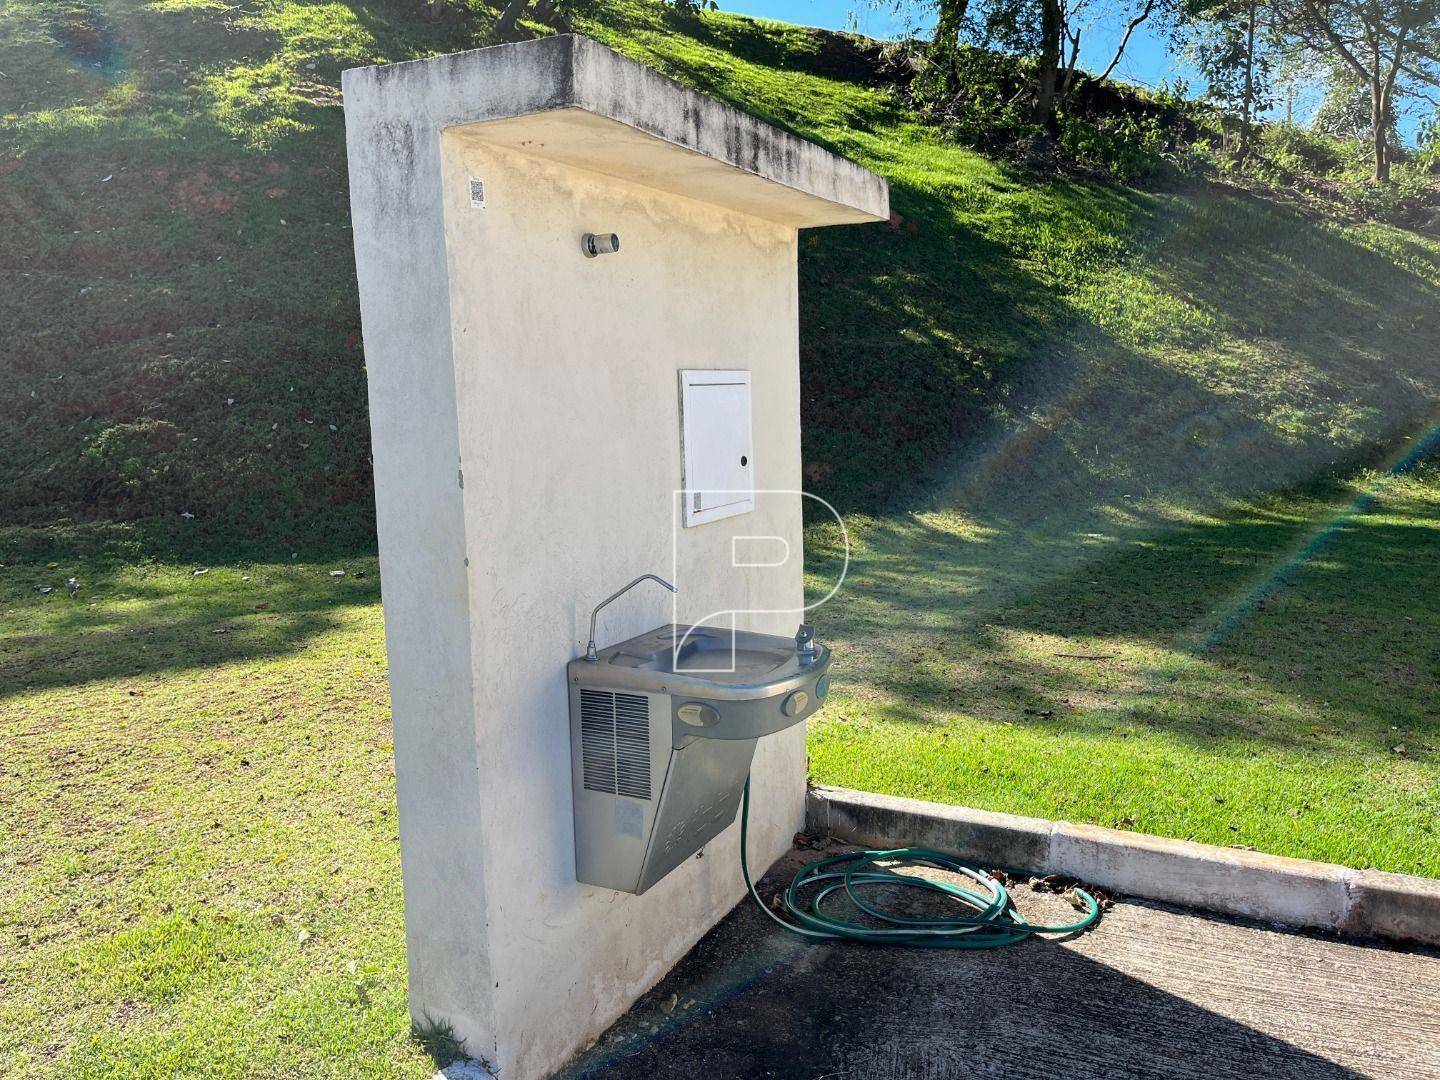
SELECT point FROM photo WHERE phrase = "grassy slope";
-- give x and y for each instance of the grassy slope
(1147, 326)
(1155, 354)
(183, 336)
(182, 332)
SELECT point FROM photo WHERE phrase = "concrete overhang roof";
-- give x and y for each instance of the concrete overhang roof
(571, 100)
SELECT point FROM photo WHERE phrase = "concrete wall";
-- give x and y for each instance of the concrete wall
(570, 451)
(525, 414)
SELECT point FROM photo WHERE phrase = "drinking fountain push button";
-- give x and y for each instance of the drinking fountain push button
(697, 715)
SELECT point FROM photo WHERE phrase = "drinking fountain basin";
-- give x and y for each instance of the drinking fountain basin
(721, 684)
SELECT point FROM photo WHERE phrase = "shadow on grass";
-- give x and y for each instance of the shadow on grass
(1291, 623)
(156, 618)
(1092, 507)
(1247, 347)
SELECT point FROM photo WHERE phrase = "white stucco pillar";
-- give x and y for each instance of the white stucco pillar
(524, 414)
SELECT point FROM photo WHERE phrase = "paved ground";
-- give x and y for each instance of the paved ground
(1152, 992)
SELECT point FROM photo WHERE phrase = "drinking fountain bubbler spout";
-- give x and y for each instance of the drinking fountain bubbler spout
(590, 653)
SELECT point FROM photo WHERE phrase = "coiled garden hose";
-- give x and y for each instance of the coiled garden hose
(994, 920)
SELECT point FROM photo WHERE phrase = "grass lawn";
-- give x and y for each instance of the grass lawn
(1263, 677)
(199, 853)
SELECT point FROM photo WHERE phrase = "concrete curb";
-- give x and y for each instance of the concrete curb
(1295, 892)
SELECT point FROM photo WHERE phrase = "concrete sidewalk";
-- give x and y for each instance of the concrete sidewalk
(1154, 991)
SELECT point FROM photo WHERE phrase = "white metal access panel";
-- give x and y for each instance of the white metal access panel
(715, 445)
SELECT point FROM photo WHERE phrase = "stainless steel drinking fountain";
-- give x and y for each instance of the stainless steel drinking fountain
(662, 730)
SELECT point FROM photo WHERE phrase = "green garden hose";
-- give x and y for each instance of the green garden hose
(993, 921)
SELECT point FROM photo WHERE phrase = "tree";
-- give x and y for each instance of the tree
(1052, 31)
(1392, 47)
(944, 50)
(1052, 57)
(1430, 142)
(1233, 44)
(1344, 112)
(510, 17)
(547, 12)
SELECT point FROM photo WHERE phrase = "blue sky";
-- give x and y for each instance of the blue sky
(1147, 60)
